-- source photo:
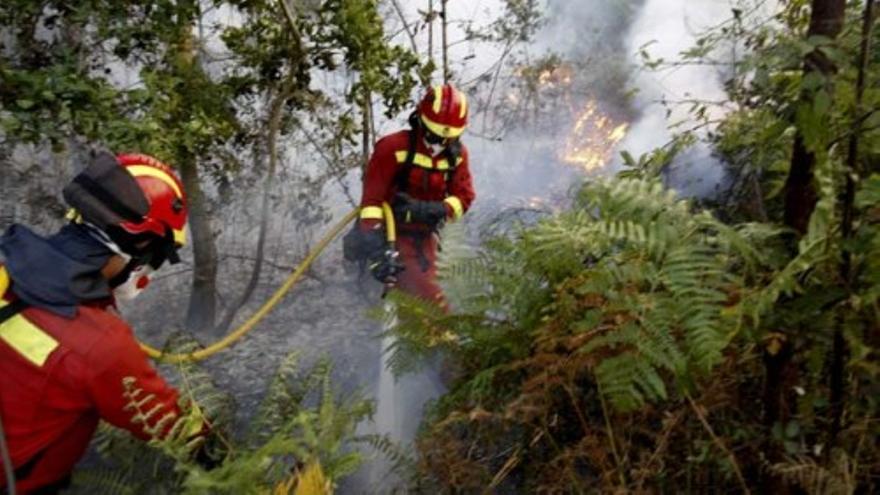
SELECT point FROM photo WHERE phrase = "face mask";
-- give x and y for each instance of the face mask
(435, 149)
(137, 280)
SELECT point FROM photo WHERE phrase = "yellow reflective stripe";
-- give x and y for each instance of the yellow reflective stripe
(442, 130)
(423, 161)
(28, 339)
(4, 284)
(464, 104)
(372, 213)
(23, 336)
(438, 98)
(179, 237)
(144, 170)
(457, 207)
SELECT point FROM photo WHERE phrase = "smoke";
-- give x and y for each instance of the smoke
(666, 28)
(601, 41)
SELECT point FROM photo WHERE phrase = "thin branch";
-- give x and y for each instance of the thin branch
(720, 444)
(507, 50)
(291, 19)
(409, 34)
(839, 347)
(331, 163)
(430, 22)
(610, 431)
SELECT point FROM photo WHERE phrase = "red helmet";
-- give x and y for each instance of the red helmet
(165, 196)
(132, 198)
(444, 111)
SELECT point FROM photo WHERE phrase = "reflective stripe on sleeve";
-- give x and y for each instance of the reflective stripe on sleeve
(457, 207)
(372, 213)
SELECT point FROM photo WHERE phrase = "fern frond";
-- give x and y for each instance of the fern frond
(805, 473)
(629, 383)
(104, 482)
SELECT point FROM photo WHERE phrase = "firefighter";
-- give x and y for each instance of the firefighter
(423, 172)
(64, 351)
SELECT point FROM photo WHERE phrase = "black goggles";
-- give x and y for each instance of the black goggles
(153, 250)
(164, 250)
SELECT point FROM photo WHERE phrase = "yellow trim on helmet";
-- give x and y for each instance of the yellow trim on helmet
(442, 130)
(438, 98)
(456, 205)
(464, 104)
(144, 170)
(372, 213)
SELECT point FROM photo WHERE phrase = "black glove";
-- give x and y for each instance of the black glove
(386, 266)
(409, 210)
(362, 245)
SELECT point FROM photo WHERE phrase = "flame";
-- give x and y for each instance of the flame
(591, 141)
(557, 77)
(547, 77)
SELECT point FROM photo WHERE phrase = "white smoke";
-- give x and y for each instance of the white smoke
(666, 28)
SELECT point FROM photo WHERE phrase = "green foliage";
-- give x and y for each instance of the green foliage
(62, 63)
(301, 421)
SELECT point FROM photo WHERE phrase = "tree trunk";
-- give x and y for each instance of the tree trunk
(276, 112)
(826, 19)
(444, 20)
(203, 299)
(202, 309)
(366, 139)
(800, 193)
(840, 351)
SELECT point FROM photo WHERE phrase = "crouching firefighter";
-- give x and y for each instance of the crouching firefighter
(423, 173)
(64, 351)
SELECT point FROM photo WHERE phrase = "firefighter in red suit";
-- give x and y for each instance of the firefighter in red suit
(64, 351)
(425, 175)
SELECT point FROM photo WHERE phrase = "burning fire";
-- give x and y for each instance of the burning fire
(591, 141)
(555, 77)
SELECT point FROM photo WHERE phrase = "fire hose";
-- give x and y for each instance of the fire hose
(277, 296)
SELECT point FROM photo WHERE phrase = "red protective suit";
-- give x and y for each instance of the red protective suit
(430, 179)
(59, 376)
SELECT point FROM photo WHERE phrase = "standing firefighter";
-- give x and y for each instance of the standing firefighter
(424, 174)
(64, 351)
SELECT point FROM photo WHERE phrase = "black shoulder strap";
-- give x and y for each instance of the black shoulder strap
(402, 176)
(12, 309)
(453, 152)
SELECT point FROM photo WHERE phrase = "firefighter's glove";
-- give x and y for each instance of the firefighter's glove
(364, 243)
(386, 266)
(409, 210)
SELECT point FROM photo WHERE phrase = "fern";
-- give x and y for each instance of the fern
(662, 273)
(805, 473)
(302, 420)
(105, 482)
